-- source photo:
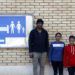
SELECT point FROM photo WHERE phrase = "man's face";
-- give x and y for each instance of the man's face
(71, 40)
(58, 37)
(39, 25)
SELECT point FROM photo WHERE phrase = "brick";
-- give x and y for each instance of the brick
(57, 0)
(2, 0)
(3, 64)
(38, 0)
(3, 59)
(13, 64)
(10, 12)
(7, 9)
(62, 30)
(29, 1)
(35, 4)
(56, 27)
(71, 30)
(67, 1)
(16, 56)
(44, 4)
(3, 53)
(12, 54)
(6, 56)
(6, 4)
(20, 53)
(21, 58)
(16, 61)
(73, 0)
(66, 28)
(19, 0)
(11, 59)
(6, 61)
(10, 0)
(23, 64)
(48, 0)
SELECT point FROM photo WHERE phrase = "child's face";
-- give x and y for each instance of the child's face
(71, 40)
(58, 37)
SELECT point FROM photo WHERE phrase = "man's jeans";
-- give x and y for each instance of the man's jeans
(41, 59)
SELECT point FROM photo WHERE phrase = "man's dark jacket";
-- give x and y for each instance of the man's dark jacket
(38, 42)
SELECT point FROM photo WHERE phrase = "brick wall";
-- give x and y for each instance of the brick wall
(58, 15)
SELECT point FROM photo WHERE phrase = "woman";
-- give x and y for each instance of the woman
(56, 54)
(69, 56)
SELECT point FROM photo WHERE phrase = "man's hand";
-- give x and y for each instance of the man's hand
(31, 55)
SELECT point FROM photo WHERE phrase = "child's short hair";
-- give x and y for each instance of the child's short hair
(71, 36)
(58, 33)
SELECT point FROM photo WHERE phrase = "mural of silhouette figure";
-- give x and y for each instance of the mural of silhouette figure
(12, 26)
(18, 27)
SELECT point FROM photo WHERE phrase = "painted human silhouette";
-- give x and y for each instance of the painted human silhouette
(18, 27)
(12, 26)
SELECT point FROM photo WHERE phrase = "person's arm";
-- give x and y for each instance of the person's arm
(47, 43)
(65, 58)
(50, 52)
(31, 44)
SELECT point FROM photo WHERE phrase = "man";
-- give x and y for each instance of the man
(38, 46)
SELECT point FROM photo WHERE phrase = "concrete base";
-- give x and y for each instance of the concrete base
(24, 70)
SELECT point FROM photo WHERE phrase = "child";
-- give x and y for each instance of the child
(69, 56)
(56, 54)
